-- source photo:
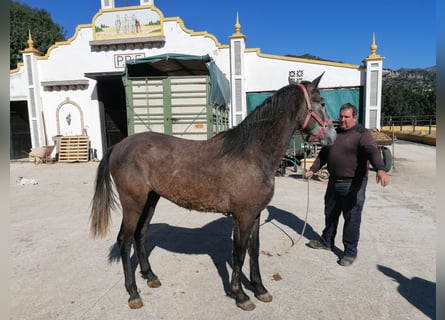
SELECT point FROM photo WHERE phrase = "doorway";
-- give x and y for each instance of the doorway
(111, 93)
(20, 143)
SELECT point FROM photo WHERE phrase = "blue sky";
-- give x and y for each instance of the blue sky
(338, 30)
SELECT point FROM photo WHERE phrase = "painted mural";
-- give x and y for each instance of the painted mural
(127, 24)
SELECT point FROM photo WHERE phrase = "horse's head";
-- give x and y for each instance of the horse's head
(316, 125)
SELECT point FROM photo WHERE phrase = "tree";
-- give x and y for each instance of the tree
(44, 31)
(409, 92)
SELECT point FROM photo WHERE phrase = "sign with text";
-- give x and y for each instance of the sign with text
(120, 59)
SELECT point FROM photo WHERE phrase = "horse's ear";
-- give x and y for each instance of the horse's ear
(317, 80)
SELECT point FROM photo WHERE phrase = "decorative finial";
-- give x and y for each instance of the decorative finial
(237, 25)
(373, 54)
(238, 33)
(373, 45)
(31, 48)
(30, 41)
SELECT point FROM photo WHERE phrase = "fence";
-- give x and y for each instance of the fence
(411, 123)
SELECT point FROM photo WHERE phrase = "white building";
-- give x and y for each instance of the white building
(78, 88)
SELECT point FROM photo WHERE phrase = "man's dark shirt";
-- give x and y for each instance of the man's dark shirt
(349, 155)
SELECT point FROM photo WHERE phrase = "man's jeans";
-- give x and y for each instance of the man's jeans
(347, 197)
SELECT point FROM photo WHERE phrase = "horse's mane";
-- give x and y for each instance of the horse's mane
(268, 114)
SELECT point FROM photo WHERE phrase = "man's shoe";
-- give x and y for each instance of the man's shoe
(317, 244)
(346, 261)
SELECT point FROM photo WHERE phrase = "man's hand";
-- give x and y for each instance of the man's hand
(382, 177)
(308, 174)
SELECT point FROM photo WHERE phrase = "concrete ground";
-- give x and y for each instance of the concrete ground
(59, 272)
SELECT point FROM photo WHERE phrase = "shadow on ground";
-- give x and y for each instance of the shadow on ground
(419, 292)
(214, 239)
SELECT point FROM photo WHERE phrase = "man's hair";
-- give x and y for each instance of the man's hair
(349, 106)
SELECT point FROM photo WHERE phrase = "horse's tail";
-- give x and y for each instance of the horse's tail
(104, 199)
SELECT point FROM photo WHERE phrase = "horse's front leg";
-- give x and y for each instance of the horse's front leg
(255, 275)
(240, 238)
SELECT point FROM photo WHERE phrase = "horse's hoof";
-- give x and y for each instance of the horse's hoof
(265, 297)
(246, 305)
(154, 284)
(135, 303)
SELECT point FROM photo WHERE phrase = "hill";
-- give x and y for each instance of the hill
(427, 74)
(409, 92)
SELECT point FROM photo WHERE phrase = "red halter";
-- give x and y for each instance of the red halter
(310, 114)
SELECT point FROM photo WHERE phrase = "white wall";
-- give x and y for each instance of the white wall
(70, 60)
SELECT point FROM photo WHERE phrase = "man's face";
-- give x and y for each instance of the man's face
(346, 120)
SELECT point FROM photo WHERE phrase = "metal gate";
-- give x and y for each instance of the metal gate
(175, 105)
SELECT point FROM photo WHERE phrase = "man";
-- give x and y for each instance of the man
(347, 162)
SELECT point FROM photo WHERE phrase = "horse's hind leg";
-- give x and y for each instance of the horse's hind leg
(125, 240)
(143, 224)
(255, 275)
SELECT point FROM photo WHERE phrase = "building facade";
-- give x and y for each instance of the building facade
(79, 88)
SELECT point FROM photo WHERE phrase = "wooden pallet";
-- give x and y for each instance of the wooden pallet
(73, 148)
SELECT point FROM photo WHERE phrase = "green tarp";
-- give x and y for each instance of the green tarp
(255, 99)
(334, 98)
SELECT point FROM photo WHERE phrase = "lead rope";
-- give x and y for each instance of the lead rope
(307, 201)
(307, 196)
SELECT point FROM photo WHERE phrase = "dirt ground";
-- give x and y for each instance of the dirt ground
(59, 272)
